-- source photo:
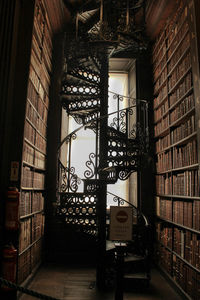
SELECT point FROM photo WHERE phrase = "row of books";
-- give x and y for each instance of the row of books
(36, 251)
(32, 94)
(161, 126)
(43, 37)
(28, 260)
(24, 265)
(179, 71)
(28, 153)
(163, 143)
(40, 142)
(164, 234)
(161, 95)
(185, 155)
(164, 184)
(30, 202)
(159, 46)
(42, 50)
(34, 79)
(29, 132)
(163, 257)
(39, 99)
(163, 208)
(160, 53)
(183, 183)
(25, 205)
(160, 77)
(33, 157)
(164, 161)
(176, 33)
(187, 245)
(181, 156)
(39, 160)
(179, 52)
(38, 117)
(31, 229)
(39, 74)
(186, 183)
(162, 109)
(38, 85)
(37, 226)
(182, 108)
(186, 277)
(183, 212)
(183, 130)
(46, 56)
(25, 234)
(168, 39)
(39, 22)
(32, 179)
(34, 137)
(181, 90)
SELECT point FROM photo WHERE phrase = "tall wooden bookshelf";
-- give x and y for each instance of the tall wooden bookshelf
(176, 105)
(31, 207)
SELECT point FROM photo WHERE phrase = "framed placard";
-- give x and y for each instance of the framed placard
(121, 223)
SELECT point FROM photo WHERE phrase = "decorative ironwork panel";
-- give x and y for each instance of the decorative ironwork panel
(91, 186)
(78, 209)
(85, 74)
(68, 180)
(81, 104)
(91, 165)
(78, 89)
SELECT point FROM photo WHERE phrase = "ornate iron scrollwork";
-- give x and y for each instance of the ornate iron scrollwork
(78, 209)
(91, 165)
(119, 200)
(68, 179)
(125, 173)
(78, 119)
(120, 123)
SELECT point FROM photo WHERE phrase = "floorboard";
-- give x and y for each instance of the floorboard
(78, 283)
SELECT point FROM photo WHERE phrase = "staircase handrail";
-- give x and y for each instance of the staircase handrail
(73, 133)
(132, 205)
(130, 98)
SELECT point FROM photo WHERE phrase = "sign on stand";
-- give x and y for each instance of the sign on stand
(121, 223)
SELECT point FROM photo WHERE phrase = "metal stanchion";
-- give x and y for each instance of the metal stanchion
(119, 272)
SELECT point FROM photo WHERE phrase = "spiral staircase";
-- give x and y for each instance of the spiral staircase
(121, 141)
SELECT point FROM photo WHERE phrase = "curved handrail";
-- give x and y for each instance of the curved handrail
(129, 203)
(131, 98)
(100, 118)
(90, 122)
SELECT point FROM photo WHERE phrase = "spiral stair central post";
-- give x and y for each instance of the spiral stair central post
(103, 153)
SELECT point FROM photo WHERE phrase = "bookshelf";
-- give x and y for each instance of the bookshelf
(176, 105)
(31, 205)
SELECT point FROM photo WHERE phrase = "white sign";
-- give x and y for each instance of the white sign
(121, 223)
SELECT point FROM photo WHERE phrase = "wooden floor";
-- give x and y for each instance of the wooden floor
(78, 283)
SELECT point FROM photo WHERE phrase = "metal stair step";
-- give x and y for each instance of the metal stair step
(78, 89)
(74, 78)
(134, 258)
(85, 74)
(141, 275)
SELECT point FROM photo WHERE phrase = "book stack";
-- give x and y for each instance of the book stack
(176, 150)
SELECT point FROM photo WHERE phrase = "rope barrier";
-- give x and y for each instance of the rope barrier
(25, 290)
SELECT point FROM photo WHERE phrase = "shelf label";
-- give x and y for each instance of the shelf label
(14, 173)
(121, 223)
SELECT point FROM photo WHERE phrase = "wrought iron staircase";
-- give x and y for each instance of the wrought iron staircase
(125, 141)
(121, 136)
